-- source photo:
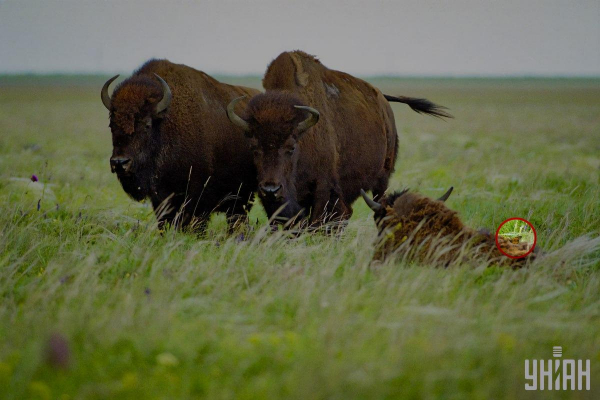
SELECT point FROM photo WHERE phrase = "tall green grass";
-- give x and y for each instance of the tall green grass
(146, 315)
(517, 228)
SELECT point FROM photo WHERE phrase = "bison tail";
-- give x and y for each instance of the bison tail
(422, 106)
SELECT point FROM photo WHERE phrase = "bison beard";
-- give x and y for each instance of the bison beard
(286, 212)
(135, 186)
(138, 181)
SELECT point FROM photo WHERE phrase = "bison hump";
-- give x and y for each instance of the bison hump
(291, 70)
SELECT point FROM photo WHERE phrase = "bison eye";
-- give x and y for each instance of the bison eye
(290, 152)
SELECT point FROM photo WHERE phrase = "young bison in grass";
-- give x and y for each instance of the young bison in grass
(417, 227)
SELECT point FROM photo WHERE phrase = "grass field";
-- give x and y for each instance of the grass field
(136, 315)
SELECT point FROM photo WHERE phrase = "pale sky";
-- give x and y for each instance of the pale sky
(421, 37)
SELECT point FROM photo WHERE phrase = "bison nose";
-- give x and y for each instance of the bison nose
(120, 164)
(270, 190)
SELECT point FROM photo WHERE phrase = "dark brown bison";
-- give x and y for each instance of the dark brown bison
(173, 143)
(417, 227)
(317, 169)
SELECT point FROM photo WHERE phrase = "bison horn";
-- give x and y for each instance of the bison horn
(104, 93)
(373, 205)
(310, 121)
(234, 118)
(165, 102)
(447, 194)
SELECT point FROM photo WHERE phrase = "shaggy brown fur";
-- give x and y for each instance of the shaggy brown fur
(516, 239)
(513, 247)
(189, 158)
(431, 231)
(353, 146)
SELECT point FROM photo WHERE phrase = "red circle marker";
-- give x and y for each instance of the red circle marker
(534, 237)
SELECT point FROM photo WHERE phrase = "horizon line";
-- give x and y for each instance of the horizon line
(368, 76)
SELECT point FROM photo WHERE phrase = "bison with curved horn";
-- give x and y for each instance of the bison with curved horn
(413, 226)
(318, 137)
(173, 144)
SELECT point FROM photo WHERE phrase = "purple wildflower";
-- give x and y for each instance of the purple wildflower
(58, 353)
(34, 178)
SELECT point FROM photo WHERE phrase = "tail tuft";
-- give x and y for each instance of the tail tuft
(421, 106)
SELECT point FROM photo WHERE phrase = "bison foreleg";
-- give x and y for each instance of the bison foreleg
(329, 206)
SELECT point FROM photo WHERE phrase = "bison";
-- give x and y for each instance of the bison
(415, 226)
(173, 144)
(318, 136)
